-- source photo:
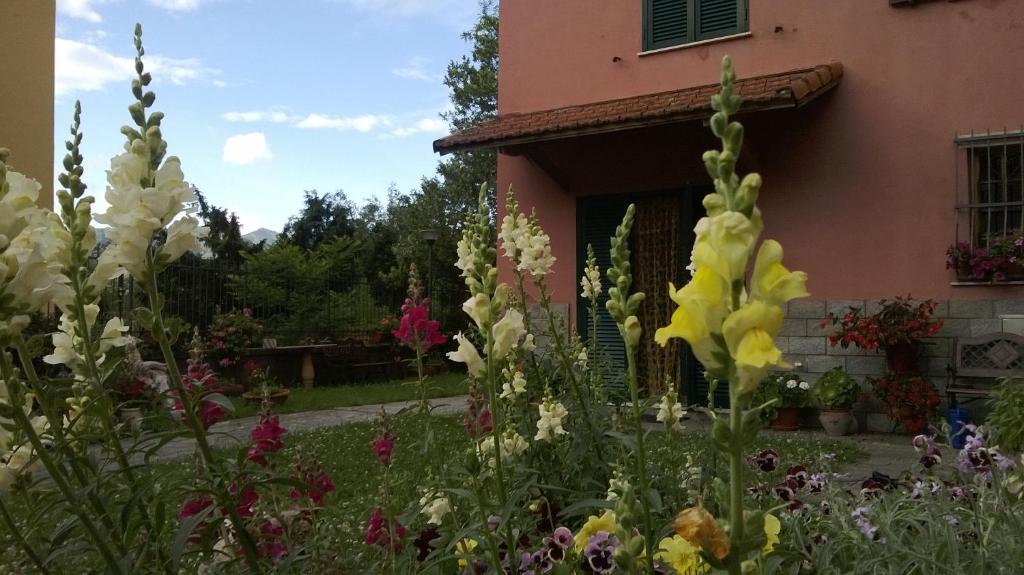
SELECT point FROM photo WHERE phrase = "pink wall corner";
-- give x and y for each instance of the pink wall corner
(556, 211)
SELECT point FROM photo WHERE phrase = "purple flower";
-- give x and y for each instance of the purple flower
(817, 483)
(785, 490)
(599, 550)
(798, 474)
(563, 537)
(534, 563)
(869, 531)
(767, 461)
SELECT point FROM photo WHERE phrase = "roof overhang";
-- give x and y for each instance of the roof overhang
(790, 89)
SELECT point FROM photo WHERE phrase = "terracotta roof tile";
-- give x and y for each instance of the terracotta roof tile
(785, 89)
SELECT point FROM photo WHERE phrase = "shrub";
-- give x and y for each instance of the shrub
(1007, 417)
(787, 389)
(836, 389)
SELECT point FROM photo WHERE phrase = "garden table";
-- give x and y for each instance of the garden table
(308, 372)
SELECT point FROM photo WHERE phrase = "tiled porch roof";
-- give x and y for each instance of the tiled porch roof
(783, 90)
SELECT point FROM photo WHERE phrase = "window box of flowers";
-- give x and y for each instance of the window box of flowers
(897, 329)
(837, 391)
(1002, 259)
(789, 393)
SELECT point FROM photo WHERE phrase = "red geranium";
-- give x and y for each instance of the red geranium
(910, 399)
(898, 321)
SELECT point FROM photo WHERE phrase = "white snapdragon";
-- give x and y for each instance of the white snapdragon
(535, 252)
(670, 412)
(16, 458)
(67, 343)
(507, 333)
(582, 360)
(137, 213)
(467, 354)
(549, 425)
(516, 387)
(513, 228)
(591, 282)
(466, 257)
(512, 445)
(529, 342)
(616, 486)
(435, 507)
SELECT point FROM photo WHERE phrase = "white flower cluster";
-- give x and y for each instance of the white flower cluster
(591, 282)
(505, 334)
(793, 384)
(435, 507)
(582, 359)
(535, 252)
(144, 201)
(670, 411)
(616, 486)
(549, 425)
(16, 458)
(67, 345)
(512, 445)
(513, 228)
(27, 235)
(516, 387)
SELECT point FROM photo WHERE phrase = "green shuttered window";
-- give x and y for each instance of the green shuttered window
(670, 23)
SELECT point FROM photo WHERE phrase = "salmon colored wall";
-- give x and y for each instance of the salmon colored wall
(859, 184)
(27, 29)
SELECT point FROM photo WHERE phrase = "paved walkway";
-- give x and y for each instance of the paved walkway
(234, 432)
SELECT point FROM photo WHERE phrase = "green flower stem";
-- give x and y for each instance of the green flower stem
(56, 427)
(496, 430)
(20, 539)
(159, 332)
(640, 455)
(567, 366)
(736, 463)
(57, 474)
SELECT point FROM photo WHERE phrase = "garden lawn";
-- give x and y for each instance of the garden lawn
(346, 455)
(300, 400)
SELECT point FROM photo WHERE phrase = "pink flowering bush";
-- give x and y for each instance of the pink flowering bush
(230, 335)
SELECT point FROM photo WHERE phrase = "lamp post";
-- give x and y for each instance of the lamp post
(430, 236)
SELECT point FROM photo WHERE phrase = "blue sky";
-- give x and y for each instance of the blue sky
(267, 98)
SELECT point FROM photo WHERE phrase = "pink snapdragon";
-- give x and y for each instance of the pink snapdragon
(380, 532)
(416, 330)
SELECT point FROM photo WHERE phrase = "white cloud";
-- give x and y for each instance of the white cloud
(273, 116)
(176, 5)
(244, 149)
(364, 123)
(84, 67)
(416, 70)
(80, 9)
(423, 126)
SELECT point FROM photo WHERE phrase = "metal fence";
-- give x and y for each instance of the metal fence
(291, 308)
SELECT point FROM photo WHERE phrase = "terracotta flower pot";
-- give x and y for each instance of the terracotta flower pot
(902, 357)
(837, 422)
(788, 419)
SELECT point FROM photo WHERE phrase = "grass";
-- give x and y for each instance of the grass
(345, 453)
(300, 400)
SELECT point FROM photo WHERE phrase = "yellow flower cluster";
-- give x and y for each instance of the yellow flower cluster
(730, 329)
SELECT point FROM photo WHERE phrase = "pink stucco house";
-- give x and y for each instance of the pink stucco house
(885, 130)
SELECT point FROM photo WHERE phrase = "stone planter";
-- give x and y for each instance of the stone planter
(837, 422)
(788, 419)
(132, 416)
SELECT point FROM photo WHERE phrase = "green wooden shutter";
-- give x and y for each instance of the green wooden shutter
(667, 23)
(717, 18)
(596, 219)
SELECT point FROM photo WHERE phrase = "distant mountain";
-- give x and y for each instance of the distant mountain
(262, 234)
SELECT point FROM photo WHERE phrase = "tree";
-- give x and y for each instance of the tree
(322, 218)
(224, 237)
(443, 201)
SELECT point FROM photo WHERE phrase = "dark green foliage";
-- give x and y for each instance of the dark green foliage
(1007, 417)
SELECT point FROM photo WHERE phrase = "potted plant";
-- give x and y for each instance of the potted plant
(266, 390)
(999, 260)
(789, 393)
(837, 391)
(897, 329)
(910, 400)
(230, 335)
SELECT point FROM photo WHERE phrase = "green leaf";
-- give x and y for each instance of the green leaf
(185, 530)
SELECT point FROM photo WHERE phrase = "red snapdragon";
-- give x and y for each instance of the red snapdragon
(416, 330)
